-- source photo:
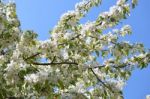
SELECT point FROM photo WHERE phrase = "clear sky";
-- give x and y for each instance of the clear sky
(42, 15)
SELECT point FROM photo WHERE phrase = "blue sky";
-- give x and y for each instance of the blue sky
(42, 15)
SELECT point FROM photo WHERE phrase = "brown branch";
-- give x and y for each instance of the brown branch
(53, 59)
(32, 56)
(57, 63)
(108, 87)
(118, 66)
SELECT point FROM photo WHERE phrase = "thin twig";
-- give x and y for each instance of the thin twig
(77, 36)
(101, 81)
(53, 59)
(102, 39)
(32, 56)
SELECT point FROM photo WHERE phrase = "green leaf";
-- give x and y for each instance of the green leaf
(104, 53)
(97, 53)
(61, 84)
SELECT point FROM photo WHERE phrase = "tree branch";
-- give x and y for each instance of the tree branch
(32, 56)
(101, 81)
(53, 59)
(77, 36)
(52, 63)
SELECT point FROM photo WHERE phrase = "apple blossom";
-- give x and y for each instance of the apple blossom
(78, 61)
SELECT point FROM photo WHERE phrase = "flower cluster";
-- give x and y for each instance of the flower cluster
(78, 60)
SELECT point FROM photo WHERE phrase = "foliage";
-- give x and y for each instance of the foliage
(81, 61)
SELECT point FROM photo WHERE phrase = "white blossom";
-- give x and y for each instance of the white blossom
(120, 2)
(120, 85)
(32, 78)
(34, 68)
(126, 29)
(148, 97)
(68, 35)
(55, 35)
(88, 40)
(64, 53)
(87, 27)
